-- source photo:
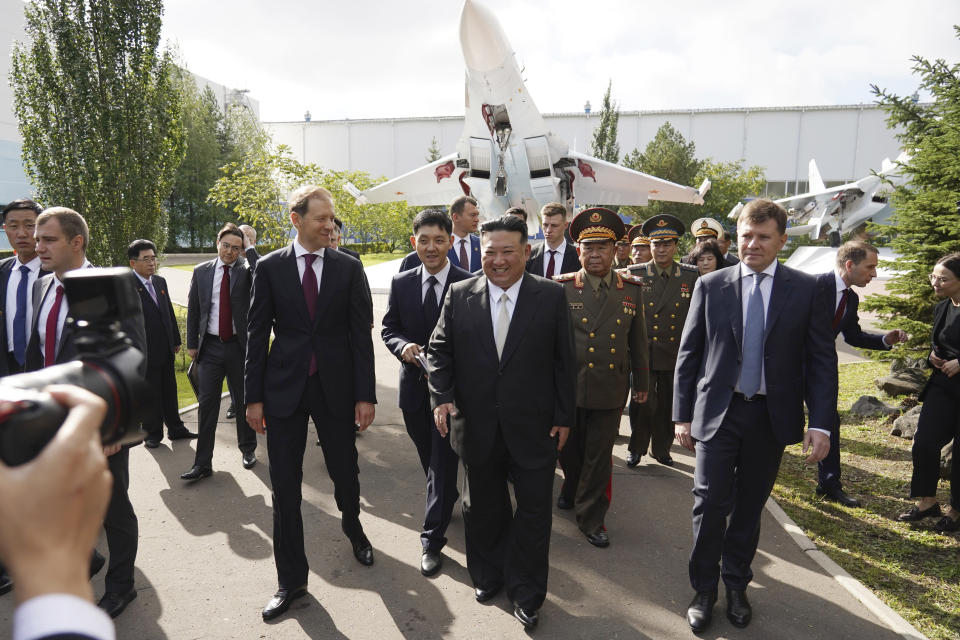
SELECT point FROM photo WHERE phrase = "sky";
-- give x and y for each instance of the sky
(382, 59)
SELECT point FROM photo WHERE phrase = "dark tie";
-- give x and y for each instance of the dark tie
(841, 309)
(310, 297)
(226, 312)
(552, 264)
(50, 341)
(152, 292)
(20, 317)
(464, 262)
(431, 310)
(601, 292)
(752, 363)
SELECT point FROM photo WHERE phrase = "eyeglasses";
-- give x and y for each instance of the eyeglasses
(148, 259)
(233, 248)
(938, 279)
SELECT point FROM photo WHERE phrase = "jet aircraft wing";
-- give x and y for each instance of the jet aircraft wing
(436, 183)
(602, 182)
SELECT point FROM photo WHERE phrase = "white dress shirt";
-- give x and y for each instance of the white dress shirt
(495, 292)
(841, 287)
(441, 277)
(300, 251)
(55, 613)
(11, 303)
(557, 258)
(213, 322)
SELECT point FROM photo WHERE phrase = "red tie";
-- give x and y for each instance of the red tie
(50, 341)
(310, 297)
(464, 262)
(841, 308)
(551, 265)
(226, 313)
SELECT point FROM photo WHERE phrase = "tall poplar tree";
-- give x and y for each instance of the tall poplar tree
(604, 144)
(100, 116)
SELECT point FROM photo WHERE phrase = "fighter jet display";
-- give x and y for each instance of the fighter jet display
(840, 209)
(507, 156)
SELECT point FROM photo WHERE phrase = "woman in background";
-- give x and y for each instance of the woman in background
(706, 257)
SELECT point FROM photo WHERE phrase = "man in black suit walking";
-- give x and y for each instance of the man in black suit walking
(774, 322)
(465, 251)
(502, 371)
(412, 312)
(62, 237)
(856, 265)
(217, 339)
(320, 365)
(554, 255)
(163, 342)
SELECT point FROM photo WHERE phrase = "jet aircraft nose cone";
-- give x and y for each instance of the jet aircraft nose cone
(484, 44)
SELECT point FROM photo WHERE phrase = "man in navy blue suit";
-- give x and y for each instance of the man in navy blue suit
(856, 266)
(412, 312)
(465, 249)
(775, 323)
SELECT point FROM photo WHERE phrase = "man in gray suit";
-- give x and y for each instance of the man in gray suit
(217, 308)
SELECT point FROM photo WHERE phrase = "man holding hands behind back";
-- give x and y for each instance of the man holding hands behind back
(773, 321)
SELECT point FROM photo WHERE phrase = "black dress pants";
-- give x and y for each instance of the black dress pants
(286, 441)
(121, 526)
(218, 360)
(162, 379)
(939, 423)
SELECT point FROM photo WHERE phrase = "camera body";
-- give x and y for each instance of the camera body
(101, 302)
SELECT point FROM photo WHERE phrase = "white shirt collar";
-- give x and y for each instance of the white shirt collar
(33, 265)
(441, 275)
(142, 279)
(841, 285)
(299, 250)
(560, 248)
(495, 292)
(86, 264)
(747, 272)
(459, 239)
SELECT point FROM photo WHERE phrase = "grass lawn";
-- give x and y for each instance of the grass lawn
(909, 566)
(369, 259)
(182, 267)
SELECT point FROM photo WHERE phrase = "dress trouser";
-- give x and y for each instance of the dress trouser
(735, 472)
(120, 524)
(218, 360)
(939, 423)
(652, 420)
(828, 469)
(162, 379)
(587, 464)
(439, 463)
(286, 441)
(506, 547)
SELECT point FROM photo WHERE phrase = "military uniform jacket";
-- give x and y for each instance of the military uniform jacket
(610, 339)
(665, 306)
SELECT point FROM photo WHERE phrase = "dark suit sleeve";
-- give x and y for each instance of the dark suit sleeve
(820, 364)
(853, 334)
(442, 381)
(690, 356)
(174, 327)
(361, 340)
(252, 257)
(134, 328)
(392, 332)
(564, 362)
(259, 322)
(193, 313)
(410, 261)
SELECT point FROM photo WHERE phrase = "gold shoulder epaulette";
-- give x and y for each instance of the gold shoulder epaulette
(565, 277)
(688, 267)
(631, 278)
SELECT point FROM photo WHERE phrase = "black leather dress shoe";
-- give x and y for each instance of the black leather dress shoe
(6, 583)
(96, 562)
(114, 603)
(231, 412)
(838, 495)
(183, 434)
(196, 473)
(914, 513)
(150, 443)
(430, 562)
(633, 459)
(249, 460)
(564, 503)
(362, 550)
(485, 595)
(946, 524)
(739, 610)
(527, 617)
(281, 600)
(664, 460)
(599, 538)
(700, 611)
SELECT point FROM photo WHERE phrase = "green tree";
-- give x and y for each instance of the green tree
(729, 182)
(671, 157)
(433, 151)
(100, 116)
(604, 144)
(924, 225)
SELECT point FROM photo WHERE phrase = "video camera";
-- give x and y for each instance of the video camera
(108, 365)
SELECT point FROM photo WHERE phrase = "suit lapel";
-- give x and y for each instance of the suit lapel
(731, 291)
(523, 311)
(478, 306)
(779, 295)
(331, 270)
(292, 274)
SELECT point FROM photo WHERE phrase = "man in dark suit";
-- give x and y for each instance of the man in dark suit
(561, 256)
(412, 312)
(320, 365)
(856, 266)
(728, 258)
(465, 252)
(163, 342)
(502, 370)
(335, 240)
(217, 307)
(773, 321)
(62, 237)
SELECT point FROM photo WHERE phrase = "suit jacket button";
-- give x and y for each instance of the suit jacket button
(592, 334)
(591, 349)
(656, 315)
(654, 338)
(613, 351)
(613, 336)
(590, 364)
(584, 321)
(611, 365)
(672, 327)
(618, 321)
(671, 338)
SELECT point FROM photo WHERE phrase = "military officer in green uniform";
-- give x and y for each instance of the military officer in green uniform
(667, 287)
(639, 246)
(611, 343)
(621, 260)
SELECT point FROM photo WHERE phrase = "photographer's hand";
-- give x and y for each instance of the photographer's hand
(52, 507)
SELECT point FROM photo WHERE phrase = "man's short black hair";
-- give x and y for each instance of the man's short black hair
(505, 223)
(137, 246)
(339, 223)
(517, 211)
(23, 203)
(432, 218)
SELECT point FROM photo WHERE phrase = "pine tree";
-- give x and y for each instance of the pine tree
(605, 145)
(433, 151)
(925, 224)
